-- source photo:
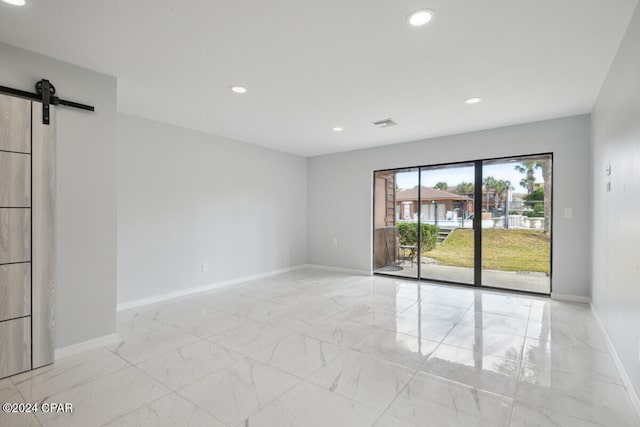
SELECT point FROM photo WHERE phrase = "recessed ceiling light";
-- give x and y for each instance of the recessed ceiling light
(238, 89)
(473, 100)
(337, 129)
(420, 17)
(16, 2)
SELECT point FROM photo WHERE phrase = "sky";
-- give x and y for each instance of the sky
(455, 175)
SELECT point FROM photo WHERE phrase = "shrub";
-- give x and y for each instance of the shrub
(538, 211)
(534, 198)
(408, 234)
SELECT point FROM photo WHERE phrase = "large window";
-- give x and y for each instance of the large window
(483, 223)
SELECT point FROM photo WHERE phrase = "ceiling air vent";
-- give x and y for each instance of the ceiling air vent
(385, 123)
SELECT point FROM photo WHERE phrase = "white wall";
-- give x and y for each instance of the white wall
(187, 198)
(86, 192)
(616, 214)
(340, 192)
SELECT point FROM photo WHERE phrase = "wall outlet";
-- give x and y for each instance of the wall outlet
(205, 267)
(568, 212)
(334, 242)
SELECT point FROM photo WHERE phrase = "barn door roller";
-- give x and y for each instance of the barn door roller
(45, 93)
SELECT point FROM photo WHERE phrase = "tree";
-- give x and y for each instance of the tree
(535, 201)
(489, 184)
(465, 188)
(498, 186)
(529, 168)
(441, 186)
(536, 197)
(524, 183)
(545, 164)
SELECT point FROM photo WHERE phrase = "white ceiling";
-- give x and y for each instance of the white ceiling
(312, 65)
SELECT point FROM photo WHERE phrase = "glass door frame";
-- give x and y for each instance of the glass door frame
(477, 222)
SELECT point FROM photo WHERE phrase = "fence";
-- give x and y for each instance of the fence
(515, 221)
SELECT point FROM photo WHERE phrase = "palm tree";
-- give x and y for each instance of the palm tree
(499, 187)
(464, 188)
(529, 168)
(441, 186)
(489, 184)
(546, 166)
(524, 183)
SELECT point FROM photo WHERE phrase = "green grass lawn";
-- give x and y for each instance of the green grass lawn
(506, 250)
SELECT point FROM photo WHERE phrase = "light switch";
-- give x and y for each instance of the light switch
(568, 212)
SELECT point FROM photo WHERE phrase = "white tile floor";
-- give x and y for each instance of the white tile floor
(314, 348)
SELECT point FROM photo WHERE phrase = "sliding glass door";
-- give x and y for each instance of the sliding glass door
(446, 203)
(395, 222)
(516, 231)
(482, 223)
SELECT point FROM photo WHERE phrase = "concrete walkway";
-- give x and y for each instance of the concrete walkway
(521, 281)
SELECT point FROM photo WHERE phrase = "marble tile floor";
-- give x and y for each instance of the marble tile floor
(318, 348)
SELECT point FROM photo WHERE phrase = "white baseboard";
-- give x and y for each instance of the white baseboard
(633, 396)
(212, 286)
(338, 269)
(570, 298)
(61, 353)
